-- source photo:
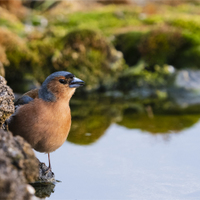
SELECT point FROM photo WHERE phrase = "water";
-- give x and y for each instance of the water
(128, 156)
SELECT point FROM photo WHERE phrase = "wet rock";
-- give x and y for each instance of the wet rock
(45, 175)
(186, 90)
(45, 183)
(18, 166)
(6, 101)
(44, 189)
(188, 79)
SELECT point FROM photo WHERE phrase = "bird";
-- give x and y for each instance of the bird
(42, 116)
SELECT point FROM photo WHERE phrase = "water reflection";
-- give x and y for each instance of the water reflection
(131, 161)
(128, 164)
(159, 123)
(92, 117)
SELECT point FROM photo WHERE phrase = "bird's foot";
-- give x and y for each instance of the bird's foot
(47, 171)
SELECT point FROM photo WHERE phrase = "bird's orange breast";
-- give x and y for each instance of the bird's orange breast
(45, 125)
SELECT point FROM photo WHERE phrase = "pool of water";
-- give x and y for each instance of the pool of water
(128, 155)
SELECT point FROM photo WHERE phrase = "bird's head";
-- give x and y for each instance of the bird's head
(59, 85)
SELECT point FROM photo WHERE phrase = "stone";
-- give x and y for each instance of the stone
(18, 167)
(45, 175)
(6, 101)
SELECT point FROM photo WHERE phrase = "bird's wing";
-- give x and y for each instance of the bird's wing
(27, 97)
(24, 99)
(32, 93)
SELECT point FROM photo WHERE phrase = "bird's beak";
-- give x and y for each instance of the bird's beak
(76, 82)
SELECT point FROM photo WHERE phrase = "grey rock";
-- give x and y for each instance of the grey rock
(6, 101)
(188, 79)
(18, 166)
(186, 88)
(45, 175)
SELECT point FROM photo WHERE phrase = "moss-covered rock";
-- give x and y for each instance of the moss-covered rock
(16, 56)
(91, 57)
(43, 50)
(128, 44)
(138, 77)
(159, 46)
(10, 20)
(31, 48)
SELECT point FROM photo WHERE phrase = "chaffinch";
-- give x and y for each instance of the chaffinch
(43, 116)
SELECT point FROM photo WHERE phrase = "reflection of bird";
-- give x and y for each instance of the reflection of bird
(43, 115)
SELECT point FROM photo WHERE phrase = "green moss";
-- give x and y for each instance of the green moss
(18, 55)
(77, 42)
(91, 57)
(105, 19)
(160, 46)
(10, 21)
(189, 53)
(139, 77)
(154, 19)
(17, 27)
(128, 44)
(43, 52)
(189, 23)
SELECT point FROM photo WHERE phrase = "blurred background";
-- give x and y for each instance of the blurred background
(140, 60)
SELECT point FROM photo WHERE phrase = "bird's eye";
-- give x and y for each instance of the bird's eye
(63, 81)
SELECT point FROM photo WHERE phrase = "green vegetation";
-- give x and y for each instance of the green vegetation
(137, 76)
(87, 42)
(103, 19)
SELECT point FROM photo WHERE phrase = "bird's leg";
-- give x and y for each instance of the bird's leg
(49, 168)
(49, 161)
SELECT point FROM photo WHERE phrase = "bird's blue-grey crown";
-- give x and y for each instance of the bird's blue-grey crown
(47, 95)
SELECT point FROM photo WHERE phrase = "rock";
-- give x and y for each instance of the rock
(45, 175)
(18, 166)
(43, 189)
(87, 52)
(45, 183)
(186, 88)
(6, 101)
(188, 79)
